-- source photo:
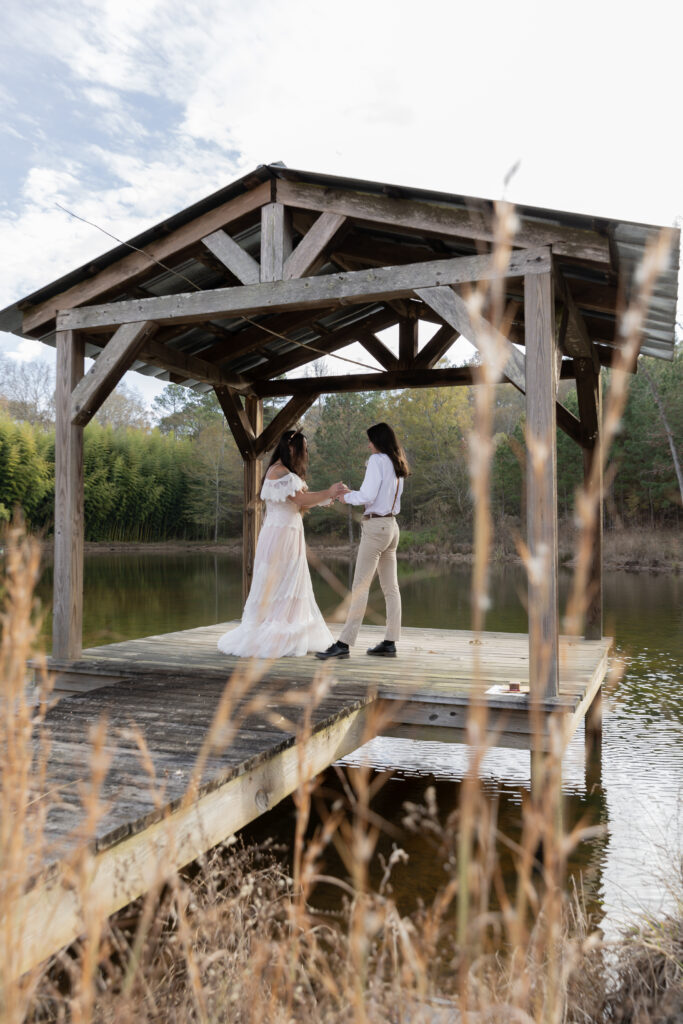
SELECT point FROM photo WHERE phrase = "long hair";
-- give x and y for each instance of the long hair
(385, 441)
(292, 452)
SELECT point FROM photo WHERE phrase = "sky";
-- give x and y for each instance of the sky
(127, 111)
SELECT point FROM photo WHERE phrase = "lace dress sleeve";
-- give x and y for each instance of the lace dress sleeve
(282, 488)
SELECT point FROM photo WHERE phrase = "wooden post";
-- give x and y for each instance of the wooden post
(276, 241)
(407, 341)
(251, 516)
(67, 615)
(539, 320)
(589, 394)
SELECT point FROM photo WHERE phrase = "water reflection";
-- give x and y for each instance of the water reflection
(639, 801)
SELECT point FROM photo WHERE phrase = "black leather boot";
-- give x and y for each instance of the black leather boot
(387, 649)
(336, 650)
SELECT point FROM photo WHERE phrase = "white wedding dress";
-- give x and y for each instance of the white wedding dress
(280, 618)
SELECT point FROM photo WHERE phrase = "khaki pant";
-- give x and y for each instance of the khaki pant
(377, 553)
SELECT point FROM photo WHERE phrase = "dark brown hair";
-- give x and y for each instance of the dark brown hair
(292, 452)
(386, 442)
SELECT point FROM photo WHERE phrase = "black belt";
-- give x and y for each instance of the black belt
(379, 515)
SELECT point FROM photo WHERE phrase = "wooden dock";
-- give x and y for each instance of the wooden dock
(168, 793)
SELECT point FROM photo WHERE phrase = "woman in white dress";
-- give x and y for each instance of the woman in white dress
(280, 617)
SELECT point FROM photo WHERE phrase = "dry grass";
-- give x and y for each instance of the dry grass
(235, 938)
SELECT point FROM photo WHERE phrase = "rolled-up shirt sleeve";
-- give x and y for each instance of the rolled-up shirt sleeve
(369, 489)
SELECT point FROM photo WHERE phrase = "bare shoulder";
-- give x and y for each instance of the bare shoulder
(277, 472)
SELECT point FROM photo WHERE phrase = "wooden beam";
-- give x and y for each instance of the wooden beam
(378, 350)
(191, 367)
(436, 347)
(251, 337)
(51, 911)
(389, 381)
(441, 219)
(136, 264)
(407, 342)
(238, 421)
(589, 394)
(576, 340)
(312, 245)
(374, 285)
(117, 356)
(569, 424)
(233, 256)
(276, 241)
(67, 611)
(285, 420)
(452, 308)
(251, 515)
(327, 342)
(539, 322)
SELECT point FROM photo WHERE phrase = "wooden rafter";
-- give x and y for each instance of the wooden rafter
(190, 367)
(441, 219)
(309, 250)
(233, 256)
(138, 264)
(328, 341)
(375, 285)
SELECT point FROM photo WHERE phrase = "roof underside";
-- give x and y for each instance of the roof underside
(265, 345)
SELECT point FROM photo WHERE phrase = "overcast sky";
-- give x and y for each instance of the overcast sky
(126, 111)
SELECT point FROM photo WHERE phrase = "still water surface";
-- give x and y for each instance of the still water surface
(639, 802)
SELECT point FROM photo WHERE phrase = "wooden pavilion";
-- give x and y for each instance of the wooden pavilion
(282, 266)
(249, 284)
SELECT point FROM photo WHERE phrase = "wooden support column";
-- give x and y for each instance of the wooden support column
(67, 614)
(539, 322)
(251, 516)
(276, 241)
(407, 342)
(589, 394)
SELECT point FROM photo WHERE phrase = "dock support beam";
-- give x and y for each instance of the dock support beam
(541, 373)
(67, 617)
(251, 516)
(589, 394)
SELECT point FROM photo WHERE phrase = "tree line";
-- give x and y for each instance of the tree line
(174, 472)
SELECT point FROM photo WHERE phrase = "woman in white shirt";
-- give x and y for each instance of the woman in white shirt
(380, 492)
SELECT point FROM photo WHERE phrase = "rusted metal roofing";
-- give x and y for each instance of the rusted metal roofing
(627, 243)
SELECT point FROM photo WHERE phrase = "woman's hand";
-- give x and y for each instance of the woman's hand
(336, 490)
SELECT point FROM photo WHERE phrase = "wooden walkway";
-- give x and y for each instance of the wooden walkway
(169, 792)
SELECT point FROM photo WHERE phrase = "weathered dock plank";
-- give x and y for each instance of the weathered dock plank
(283, 722)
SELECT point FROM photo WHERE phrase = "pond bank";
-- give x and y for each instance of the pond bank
(654, 551)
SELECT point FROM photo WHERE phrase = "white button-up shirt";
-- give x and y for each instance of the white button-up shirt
(378, 491)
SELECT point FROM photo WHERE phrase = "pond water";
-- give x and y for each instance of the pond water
(625, 871)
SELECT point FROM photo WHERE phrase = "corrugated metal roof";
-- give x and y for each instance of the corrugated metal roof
(628, 242)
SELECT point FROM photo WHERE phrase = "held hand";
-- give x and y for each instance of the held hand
(338, 489)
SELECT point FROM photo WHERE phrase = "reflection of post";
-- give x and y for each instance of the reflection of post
(251, 517)
(593, 743)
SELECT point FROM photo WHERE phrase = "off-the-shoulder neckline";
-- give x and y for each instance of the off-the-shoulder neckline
(274, 479)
